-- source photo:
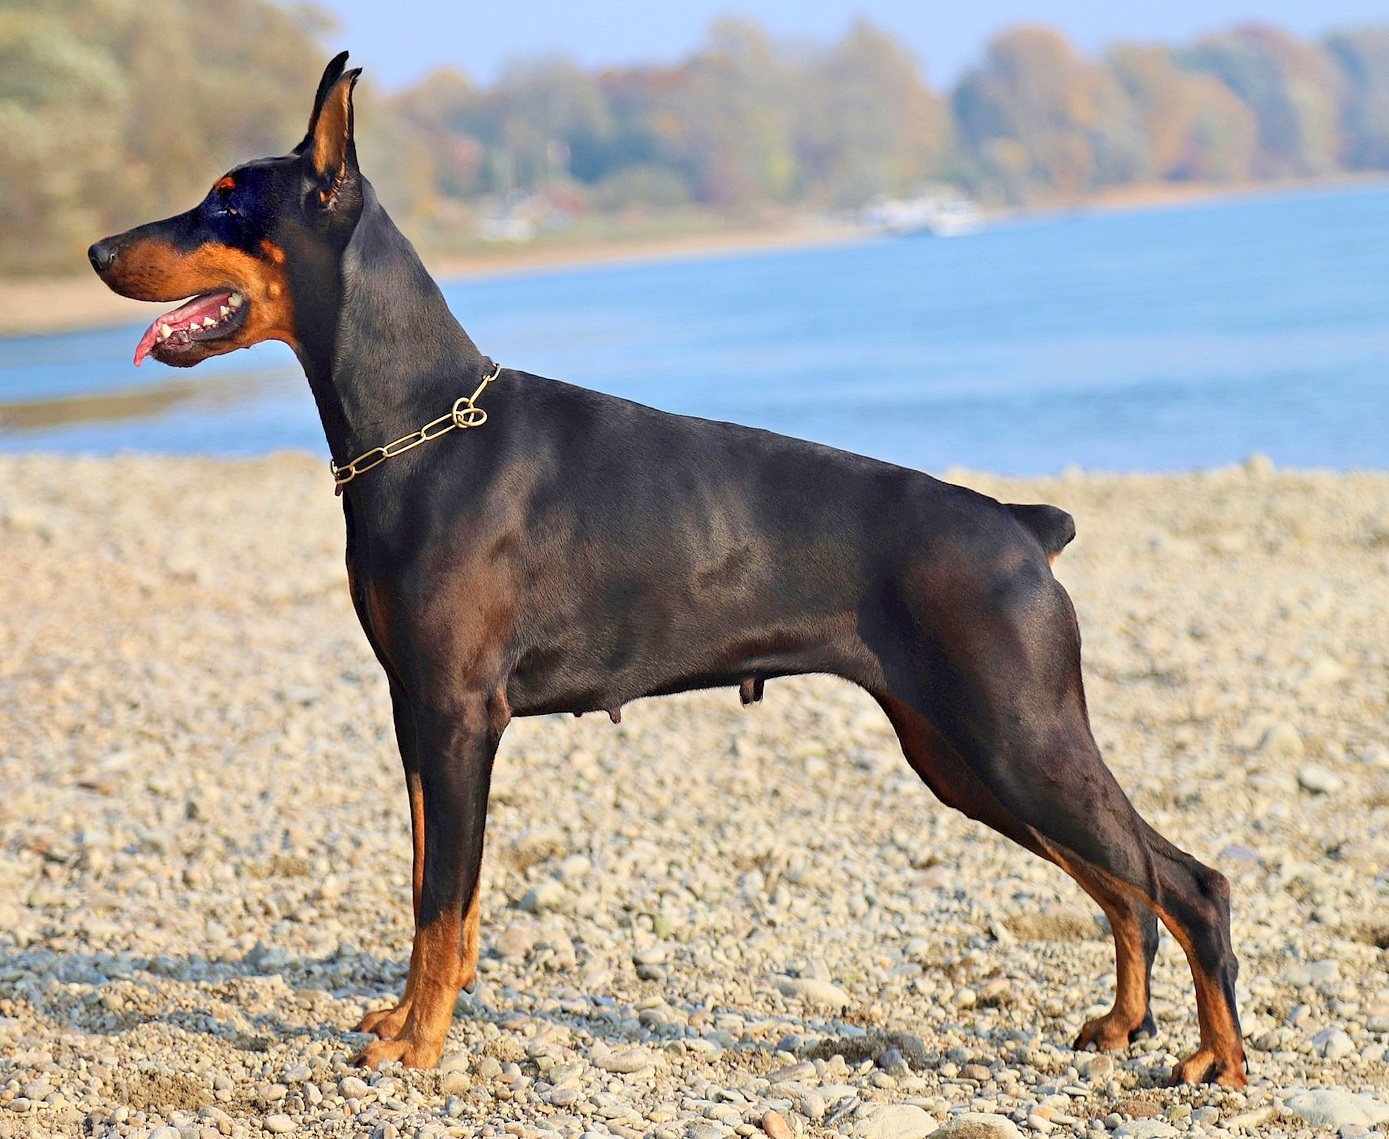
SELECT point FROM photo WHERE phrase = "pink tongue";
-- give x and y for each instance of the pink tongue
(187, 316)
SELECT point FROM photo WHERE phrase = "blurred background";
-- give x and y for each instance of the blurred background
(1020, 238)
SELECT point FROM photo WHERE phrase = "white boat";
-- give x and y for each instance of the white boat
(936, 214)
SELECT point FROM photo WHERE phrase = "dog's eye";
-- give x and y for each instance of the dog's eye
(219, 205)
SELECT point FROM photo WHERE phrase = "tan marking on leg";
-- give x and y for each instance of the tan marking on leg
(1112, 1031)
(468, 946)
(438, 979)
(412, 780)
(1220, 1057)
(956, 786)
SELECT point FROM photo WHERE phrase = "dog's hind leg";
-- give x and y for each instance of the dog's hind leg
(998, 676)
(457, 741)
(387, 1023)
(1133, 925)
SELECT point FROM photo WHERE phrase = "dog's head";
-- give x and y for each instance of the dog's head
(268, 231)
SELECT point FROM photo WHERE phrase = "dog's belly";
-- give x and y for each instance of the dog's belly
(604, 661)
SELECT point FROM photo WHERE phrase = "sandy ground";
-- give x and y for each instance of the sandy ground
(698, 916)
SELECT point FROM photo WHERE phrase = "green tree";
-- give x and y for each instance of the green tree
(441, 112)
(865, 123)
(541, 116)
(107, 124)
(60, 98)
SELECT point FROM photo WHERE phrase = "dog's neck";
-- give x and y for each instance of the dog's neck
(382, 352)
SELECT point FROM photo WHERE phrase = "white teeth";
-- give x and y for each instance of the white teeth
(223, 311)
(236, 300)
(208, 322)
(164, 331)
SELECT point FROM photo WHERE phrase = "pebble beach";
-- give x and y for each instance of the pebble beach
(705, 921)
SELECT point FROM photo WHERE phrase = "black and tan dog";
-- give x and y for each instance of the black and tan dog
(579, 551)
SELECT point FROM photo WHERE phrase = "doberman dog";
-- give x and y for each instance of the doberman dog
(573, 552)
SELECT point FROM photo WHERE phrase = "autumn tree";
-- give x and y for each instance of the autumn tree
(1193, 127)
(730, 121)
(1040, 119)
(1293, 89)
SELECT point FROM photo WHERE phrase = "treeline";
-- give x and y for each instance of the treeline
(745, 122)
(105, 119)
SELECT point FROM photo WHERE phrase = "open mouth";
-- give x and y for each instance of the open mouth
(210, 316)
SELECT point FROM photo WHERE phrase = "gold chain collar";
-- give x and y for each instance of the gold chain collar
(465, 413)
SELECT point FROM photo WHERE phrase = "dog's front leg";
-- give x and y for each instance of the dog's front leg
(456, 741)
(387, 1023)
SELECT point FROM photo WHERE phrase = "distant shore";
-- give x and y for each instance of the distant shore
(39, 306)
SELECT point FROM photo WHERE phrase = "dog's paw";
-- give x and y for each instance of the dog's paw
(1206, 1067)
(1113, 1031)
(411, 1053)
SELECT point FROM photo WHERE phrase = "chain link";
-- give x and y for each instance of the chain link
(465, 414)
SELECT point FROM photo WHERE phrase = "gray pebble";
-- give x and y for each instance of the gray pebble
(548, 895)
(1319, 780)
(1282, 742)
(1333, 1043)
(353, 1087)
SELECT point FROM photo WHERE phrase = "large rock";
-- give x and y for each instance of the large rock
(621, 1060)
(1144, 1129)
(897, 1121)
(1314, 973)
(977, 1125)
(1332, 1107)
(814, 992)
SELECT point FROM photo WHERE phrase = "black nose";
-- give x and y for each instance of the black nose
(102, 255)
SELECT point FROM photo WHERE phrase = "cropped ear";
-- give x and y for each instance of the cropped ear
(331, 74)
(329, 151)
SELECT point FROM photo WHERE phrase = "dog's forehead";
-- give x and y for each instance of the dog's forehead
(259, 173)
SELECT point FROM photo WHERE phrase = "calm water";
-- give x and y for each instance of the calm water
(1156, 340)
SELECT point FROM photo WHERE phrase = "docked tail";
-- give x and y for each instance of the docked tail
(1050, 525)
